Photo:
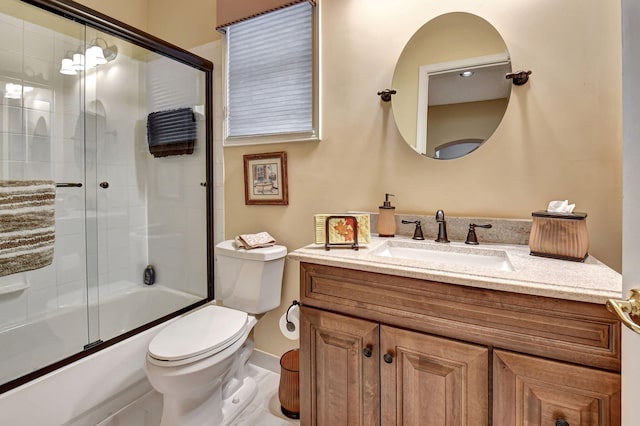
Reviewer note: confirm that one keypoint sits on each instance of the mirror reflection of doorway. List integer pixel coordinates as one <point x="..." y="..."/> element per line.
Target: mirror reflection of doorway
<point x="456" y="149"/>
<point x="461" y="99"/>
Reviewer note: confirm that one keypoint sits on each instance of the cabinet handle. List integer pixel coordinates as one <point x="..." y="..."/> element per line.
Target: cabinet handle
<point x="562" y="422"/>
<point x="388" y="358"/>
<point x="104" y="185"/>
<point x="367" y="352"/>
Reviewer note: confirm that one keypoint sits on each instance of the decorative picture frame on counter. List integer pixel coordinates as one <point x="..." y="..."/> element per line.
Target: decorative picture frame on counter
<point x="265" y="179"/>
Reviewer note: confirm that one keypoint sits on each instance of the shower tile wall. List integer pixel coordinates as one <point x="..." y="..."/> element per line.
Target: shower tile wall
<point x="120" y="152"/>
<point x="42" y="127"/>
<point x="176" y="199"/>
<point x="31" y="147"/>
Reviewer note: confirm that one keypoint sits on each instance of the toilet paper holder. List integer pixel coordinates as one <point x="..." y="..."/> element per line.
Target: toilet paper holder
<point x="291" y="327"/>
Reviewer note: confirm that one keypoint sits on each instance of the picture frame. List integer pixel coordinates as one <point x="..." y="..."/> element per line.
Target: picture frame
<point x="265" y="179"/>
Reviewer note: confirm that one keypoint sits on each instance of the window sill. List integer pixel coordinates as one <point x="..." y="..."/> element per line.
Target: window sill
<point x="269" y="139"/>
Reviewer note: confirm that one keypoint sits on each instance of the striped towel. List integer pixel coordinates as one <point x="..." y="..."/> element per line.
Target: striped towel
<point x="27" y="227"/>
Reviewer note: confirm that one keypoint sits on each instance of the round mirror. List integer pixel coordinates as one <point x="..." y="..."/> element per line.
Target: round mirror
<point x="451" y="87"/>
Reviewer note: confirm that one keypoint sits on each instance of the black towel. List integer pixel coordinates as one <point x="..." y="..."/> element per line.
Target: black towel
<point x="171" y="132"/>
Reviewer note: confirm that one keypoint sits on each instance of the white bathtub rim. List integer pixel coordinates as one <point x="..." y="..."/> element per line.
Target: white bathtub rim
<point x="90" y="389"/>
<point x="62" y="333"/>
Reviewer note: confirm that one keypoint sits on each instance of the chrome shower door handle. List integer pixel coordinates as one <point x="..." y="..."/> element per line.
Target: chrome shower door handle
<point x="631" y="306"/>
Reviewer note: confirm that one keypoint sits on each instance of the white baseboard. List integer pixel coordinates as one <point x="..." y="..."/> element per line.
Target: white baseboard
<point x="265" y="360"/>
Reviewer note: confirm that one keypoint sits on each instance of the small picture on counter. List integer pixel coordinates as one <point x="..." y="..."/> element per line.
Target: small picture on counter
<point x="341" y="228"/>
<point x="265" y="179"/>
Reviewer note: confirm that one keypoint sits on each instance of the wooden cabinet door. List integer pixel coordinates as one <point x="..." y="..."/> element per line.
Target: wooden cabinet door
<point x="339" y="370"/>
<point x="530" y="391"/>
<point x="428" y="380"/>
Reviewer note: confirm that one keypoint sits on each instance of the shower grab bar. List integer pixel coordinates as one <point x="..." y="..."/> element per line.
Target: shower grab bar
<point x="68" y="185"/>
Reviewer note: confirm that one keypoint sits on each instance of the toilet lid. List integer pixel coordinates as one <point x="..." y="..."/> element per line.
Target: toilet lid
<point x="209" y="329"/>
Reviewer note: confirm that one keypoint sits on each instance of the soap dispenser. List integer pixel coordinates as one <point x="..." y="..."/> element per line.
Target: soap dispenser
<point x="387" y="218"/>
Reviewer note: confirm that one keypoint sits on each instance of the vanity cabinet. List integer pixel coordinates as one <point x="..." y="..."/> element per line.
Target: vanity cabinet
<point x="391" y="350"/>
<point x="416" y="379"/>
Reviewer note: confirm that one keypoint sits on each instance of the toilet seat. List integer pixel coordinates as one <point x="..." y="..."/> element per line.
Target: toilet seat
<point x="197" y="335"/>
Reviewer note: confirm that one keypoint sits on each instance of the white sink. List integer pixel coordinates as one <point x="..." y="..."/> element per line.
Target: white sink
<point x="430" y="254"/>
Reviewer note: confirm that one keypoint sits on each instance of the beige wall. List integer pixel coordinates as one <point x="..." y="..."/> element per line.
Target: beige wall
<point x="560" y="137"/>
<point x="132" y="12"/>
<point x="186" y="24"/>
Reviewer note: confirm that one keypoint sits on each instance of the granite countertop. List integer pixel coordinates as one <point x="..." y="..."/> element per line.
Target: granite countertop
<point x="591" y="281"/>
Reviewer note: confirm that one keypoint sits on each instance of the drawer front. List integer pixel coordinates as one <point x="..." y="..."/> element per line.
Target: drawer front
<point x="577" y="332"/>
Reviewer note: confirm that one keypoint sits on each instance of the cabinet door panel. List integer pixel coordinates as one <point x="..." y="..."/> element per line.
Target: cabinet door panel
<point x="431" y="380"/>
<point x="339" y="384"/>
<point x="532" y="391"/>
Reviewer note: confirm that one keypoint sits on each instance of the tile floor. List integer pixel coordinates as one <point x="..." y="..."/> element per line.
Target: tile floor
<point x="264" y="410"/>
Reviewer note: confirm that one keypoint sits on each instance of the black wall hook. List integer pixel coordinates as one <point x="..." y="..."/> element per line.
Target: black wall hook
<point x="385" y="95"/>
<point x="519" y="77"/>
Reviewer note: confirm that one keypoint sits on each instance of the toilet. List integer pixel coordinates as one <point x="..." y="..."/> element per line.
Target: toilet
<point x="199" y="362"/>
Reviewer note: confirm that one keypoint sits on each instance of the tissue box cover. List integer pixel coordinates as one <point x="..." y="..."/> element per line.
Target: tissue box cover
<point x="341" y="230"/>
<point x="559" y="235"/>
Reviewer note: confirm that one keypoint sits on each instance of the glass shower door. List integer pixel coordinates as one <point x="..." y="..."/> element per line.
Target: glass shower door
<point x="93" y="169"/>
<point x="121" y="134"/>
<point x="150" y="202"/>
<point x="42" y="309"/>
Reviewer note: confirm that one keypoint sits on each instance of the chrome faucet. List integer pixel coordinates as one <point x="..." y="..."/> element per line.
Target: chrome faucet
<point x="442" y="228"/>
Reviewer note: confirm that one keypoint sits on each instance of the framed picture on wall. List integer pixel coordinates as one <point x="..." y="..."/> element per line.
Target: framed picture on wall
<point x="265" y="179"/>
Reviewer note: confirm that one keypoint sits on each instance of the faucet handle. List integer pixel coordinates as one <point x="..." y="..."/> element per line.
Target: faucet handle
<point x="417" y="233"/>
<point x="471" y="236"/>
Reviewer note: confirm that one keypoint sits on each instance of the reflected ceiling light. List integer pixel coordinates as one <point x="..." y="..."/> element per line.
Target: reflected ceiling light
<point x="109" y="53"/>
<point x="66" y="67"/>
<point x="466" y="73"/>
<point x="78" y="61"/>
<point x="94" y="56"/>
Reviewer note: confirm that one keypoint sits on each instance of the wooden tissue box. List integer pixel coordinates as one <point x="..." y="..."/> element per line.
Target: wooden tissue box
<point x="559" y="235"/>
<point x="341" y="230"/>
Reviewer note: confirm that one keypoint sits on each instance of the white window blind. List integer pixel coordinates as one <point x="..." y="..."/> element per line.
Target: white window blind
<point x="270" y="74"/>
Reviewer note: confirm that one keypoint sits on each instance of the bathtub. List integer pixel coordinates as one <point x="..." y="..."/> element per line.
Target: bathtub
<point x="139" y="305"/>
<point x="32" y="345"/>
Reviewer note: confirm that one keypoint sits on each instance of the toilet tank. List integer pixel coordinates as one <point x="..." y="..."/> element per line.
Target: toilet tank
<point x="249" y="280"/>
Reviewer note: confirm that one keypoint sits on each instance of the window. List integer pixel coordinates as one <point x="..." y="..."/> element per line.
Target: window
<point x="272" y="78"/>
